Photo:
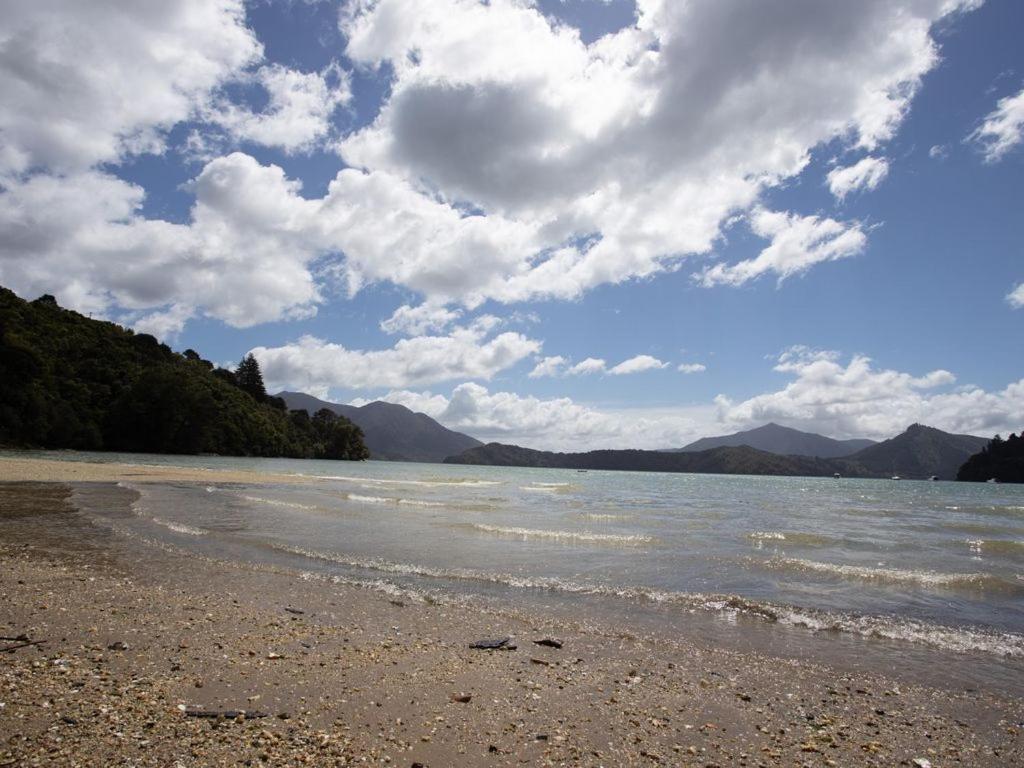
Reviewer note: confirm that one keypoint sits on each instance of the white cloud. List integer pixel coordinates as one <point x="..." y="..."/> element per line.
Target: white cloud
<point x="1016" y="297"/>
<point x="859" y="400"/>
<point x="938" y="152"/>
<point x="548" y="366"/>
<point x="557" y="424"/>
<point x="643" y="142"/>
<point x="582" y="164"/>
<point x="637" y="364"/>
<point x="1002" y="129"/>
<point x="797" y="244"/>
<point x="587" y="366"/>
<point x="560" y="366"/>
<point x="87" y="83"/>
<point x="691" y="368"/>
<point x="416" y="321"/>
<point x="315" y="366"/>
<point x="298" y="114"/>
<point x="865" y="174"/>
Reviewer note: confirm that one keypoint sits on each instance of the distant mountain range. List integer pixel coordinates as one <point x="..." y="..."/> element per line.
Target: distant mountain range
<point x="390" y="431"/>
<point x="919" y="452"/>
<point x="775" y="438"/>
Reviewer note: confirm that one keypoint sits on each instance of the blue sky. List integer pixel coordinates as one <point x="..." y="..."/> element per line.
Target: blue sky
<point x="814" y="208"/>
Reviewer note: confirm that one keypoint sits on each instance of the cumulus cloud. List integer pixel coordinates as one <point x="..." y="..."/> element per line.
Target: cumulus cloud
<point x="486" y="174"/>
<point x="866" y="174"/>
<point x="797" y="244"/>
<point x="691" y="368"/>
<point x="416" y="321"/>
<point x="558" y="424"/>
<point x="316" y="366"/>
<point x="859" y="400"/>
<point x="87" y="83"/>
<point x="560" y="366"/>
<point x="1002" y="129"/>
<point x="298" y="114"/>
<point x="1016" y="297"/>
<point x="637" y="364"/>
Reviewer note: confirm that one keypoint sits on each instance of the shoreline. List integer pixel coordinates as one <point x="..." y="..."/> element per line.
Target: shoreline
<point x="39" y="470"/>
<point x="360" y="674"/>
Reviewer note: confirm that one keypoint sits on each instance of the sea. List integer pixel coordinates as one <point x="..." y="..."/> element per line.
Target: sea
<point x="920" y="579"/>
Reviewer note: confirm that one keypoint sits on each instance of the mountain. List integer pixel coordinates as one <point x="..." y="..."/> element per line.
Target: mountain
<point x="739" y="460"/>
<point x="67" y="381"/>
<point x="920" y="452"/>
<point x="775" y="438"/>
<point x="1002" y="460"/>
<point x="391" y="431"/>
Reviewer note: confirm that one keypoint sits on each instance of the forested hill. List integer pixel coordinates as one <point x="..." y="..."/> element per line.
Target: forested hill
<point x="392" y="432"/>
<point x="67" y="381"/>
<point x="739" y="460"/>
<point x="1001" y="460"/>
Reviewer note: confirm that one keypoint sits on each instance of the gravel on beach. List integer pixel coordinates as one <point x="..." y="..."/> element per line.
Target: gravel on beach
<point x="134" y="647"/>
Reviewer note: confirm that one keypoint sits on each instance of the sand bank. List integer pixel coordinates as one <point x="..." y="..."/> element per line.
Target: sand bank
<point x="14" y="469"/>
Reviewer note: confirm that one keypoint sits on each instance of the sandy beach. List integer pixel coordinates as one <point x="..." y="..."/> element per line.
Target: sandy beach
<point x="129" y="656"/>
<point x="16" y="469"/>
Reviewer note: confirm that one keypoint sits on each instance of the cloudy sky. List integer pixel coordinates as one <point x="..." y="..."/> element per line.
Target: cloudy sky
<point x="564" y="223"/>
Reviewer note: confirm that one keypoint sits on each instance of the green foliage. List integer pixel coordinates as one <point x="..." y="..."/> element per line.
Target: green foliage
<point x="250" y="379"/>
<point x="70" y="382"/>
<point x="1002" y="460"/>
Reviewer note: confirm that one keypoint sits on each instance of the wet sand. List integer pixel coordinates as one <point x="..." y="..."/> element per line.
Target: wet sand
<point x="136" y="641"/>
<point x="52" y="471"/>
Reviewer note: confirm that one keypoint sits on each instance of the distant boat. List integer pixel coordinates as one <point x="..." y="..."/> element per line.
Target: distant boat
<point x="934" y="477"/>
<point x="837" y="476"/>
<point x="992" y="480"/>
<point x="582" y="471"/>
<point x="895" y="477"/>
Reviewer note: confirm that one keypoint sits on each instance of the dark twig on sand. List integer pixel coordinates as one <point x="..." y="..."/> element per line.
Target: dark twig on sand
<point x="11" y="648"/>
<point x="227" y="714"/>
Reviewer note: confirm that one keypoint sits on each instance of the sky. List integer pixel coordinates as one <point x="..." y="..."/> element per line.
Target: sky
<point x="566" y="224"/>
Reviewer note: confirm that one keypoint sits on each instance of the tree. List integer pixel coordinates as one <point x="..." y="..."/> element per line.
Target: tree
<point x="250" y="379"/>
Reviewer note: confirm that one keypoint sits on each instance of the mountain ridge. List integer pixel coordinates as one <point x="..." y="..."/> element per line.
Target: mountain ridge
<point x="919" y="452"/>
<point x="782" y="440"/>
<point x="391" y="431"/>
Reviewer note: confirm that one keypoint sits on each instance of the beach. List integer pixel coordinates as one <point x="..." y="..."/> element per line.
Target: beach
<point x="143" y="656"/>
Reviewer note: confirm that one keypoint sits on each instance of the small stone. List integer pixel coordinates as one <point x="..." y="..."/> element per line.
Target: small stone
<point x="118" y="646"/>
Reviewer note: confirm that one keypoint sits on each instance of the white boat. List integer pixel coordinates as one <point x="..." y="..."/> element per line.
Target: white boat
<point x="895" y="477"/>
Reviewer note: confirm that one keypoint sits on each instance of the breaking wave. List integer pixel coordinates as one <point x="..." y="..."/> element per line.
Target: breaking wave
<point x="980" y="581"/>
<point x="581" y="536"/>
<point x="179" y="527"/>
<point x="955" y="639"/>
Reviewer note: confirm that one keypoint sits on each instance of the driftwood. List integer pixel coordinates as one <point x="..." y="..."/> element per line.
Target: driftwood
<point x="11" y="648"/>
<point x="227" y="714"/>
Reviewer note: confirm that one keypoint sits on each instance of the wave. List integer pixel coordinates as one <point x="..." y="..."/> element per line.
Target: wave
<point x="466" y="483"/>
<point x="957" y="639"/>
<point x="1005" y="547"/>
<point x="896" y="575"/>
<point x="603" y="516"/>
<point x="388" y="500"/>
<point x="797" y="538"/>
<point x="179" y="527"/>
<point x="278" y="502"/>
<point x="583" y="536"/>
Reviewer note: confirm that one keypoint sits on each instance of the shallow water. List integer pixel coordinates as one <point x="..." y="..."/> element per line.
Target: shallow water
<point x="882" y="569"/>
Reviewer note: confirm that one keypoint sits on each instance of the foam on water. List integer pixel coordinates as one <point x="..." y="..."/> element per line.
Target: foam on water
<point x="390" y="500"/>
<point x="957" y="639"/>
<point x="463" y="483"/>
<point x="580" y="536"/>
<point x="277" y="502"/>
<point x="893" y="575"/>
<point x="179" y="527"/>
